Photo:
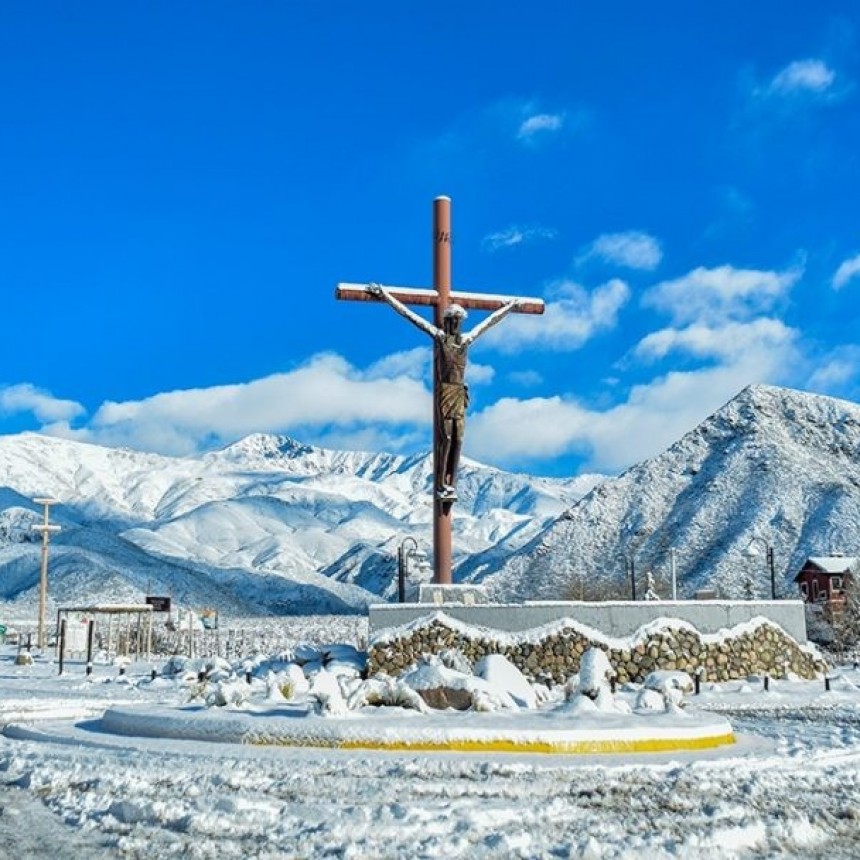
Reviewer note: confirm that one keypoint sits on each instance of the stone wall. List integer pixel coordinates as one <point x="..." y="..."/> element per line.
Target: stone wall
<point x="611" y="618"/>
<point x="552" y="653"/>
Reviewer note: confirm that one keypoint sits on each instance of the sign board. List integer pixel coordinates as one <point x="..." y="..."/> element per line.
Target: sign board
<point x="209" y="619"/>
<point x="158" y="604"/>
<point x="76" y="635"/>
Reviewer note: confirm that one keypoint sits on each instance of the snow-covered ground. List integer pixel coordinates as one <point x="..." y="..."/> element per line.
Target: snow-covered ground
<point x="790" y="787"/>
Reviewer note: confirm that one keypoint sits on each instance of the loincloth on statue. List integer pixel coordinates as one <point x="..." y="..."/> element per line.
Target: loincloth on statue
<point x="453" y="400"/>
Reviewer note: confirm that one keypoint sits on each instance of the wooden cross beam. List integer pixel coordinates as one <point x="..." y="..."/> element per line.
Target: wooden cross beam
<point x="440" y="298"/>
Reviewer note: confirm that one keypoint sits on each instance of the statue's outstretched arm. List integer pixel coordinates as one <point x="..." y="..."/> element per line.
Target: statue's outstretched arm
<point x="416" y="320"/>
<point x="493" y="319"/>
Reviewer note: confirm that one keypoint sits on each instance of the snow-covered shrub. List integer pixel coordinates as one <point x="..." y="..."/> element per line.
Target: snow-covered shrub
<point x="326" y="696"/>
<point x="456" y="660"/>
<point x="595" y="672"/>
<point x="669" y="687"/>
<point x="295" y="677"/>
<point x="544" y="694"/>
<point x="650" y="700"/>
<point x="592" y="686"/>
<point x="491" y="699"/>
<point x="383" y="690"/>
<point x="176" y="665"/>
<point x="217" y="669"/>
<point x="280" y="687"/>
<point x="226" y="693"/>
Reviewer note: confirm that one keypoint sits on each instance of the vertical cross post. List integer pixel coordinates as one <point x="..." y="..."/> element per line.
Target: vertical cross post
<point x="442" y="520"/>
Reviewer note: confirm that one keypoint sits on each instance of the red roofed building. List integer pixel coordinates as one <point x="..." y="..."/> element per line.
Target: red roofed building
<point x="823" y="579"/>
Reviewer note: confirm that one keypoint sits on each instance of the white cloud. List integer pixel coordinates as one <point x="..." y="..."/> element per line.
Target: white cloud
<point x="803" y="76"/>
<point x="838" y="372"/>
<point x="325" y="391"/>
<point x="724" y="342"/>
<point x="720" y="294"/>
<point x="374" y="438"/>
<point x="414" y="363"/>
<point x="633" y="249"/>
<point x="538" y="123"/>
<point x="526" y="378"/>
<point x="573" y="316"/>
<point x="47" y="408"/>
<point x="479" y="374"/>
<point x="512" y="236"/>
<point x="654" y="415"/>
<point x="846" y="272"/>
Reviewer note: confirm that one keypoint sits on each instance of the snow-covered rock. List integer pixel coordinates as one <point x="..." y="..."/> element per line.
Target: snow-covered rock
<point x="442" y="687"/>
<point x="497" y="670"/>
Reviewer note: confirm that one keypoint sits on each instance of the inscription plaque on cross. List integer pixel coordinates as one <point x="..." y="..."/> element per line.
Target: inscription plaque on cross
<point x="450" y="394"/>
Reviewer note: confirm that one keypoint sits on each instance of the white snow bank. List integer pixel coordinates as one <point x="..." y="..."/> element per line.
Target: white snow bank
<point x="497" y="670"/>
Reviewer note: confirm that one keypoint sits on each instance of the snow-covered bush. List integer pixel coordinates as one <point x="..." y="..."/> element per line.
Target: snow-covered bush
<point x="456" y="660"/>
<point x="664" y="691"/>
<point x="591" y="690"/>
<point x="294" y="682"/>
<point x="383" y="690"/>
<point x="650" y="700"/>
<point x="226" y="693"/>
<point x="326" y="696"/>
<point x="595" y="672"/>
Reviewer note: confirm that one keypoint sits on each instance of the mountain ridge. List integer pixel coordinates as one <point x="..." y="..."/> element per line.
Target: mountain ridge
<point x="772" y="464"/>
<point x="309" y="521"/>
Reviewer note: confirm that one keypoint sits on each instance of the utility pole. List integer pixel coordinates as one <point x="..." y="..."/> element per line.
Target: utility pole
<point x="46" y="528"/>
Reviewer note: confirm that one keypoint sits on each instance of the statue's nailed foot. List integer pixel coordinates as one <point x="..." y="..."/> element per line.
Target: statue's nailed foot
<point x="446" y="494"/>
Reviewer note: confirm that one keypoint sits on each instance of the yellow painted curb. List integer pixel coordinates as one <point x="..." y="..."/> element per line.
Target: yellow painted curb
<point x="583" y="747"/>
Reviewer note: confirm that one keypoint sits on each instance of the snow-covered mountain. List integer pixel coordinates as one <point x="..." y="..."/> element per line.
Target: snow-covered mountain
<point x="773" y="466"/>
<point x="266" y="524"/>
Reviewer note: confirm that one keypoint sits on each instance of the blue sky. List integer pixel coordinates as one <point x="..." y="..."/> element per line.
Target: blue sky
<point x="181" y="187"/>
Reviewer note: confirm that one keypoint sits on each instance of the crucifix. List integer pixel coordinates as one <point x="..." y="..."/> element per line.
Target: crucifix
<point x="450" y="394"/>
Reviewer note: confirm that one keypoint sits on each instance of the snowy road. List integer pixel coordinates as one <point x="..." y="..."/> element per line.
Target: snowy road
<point x="791" y="788"/>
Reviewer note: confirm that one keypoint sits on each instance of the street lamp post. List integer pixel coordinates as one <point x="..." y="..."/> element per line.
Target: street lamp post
<point x="674" y="572"/>
<point x="630" y="570"/>
<point x="408" y="552"/>
<point x="46" y="528"/>
<point x="752" y="551"/>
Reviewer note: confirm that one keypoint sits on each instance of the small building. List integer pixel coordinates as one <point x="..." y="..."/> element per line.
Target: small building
<point x="823" y="579"/>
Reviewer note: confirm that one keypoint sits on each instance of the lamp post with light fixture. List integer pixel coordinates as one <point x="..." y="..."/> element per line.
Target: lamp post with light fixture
<point x="408" y="553"/>
<point x="752" y="552"/>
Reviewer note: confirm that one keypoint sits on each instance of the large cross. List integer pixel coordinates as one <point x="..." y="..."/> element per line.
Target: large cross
<point x="440" y="298"/>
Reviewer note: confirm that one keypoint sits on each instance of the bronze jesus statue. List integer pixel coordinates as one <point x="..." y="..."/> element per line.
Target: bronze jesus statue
<point x="451" y="370"/>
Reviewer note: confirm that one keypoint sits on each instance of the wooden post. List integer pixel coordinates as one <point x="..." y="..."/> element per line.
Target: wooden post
<point x="442" y="552"/>
<point x="46" y="528"/>
<point x="90" y="631"/>
<point x="61" y="644"/>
